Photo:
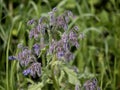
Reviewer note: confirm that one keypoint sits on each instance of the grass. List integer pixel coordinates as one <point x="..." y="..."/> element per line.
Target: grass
<point x="98" y="56"/>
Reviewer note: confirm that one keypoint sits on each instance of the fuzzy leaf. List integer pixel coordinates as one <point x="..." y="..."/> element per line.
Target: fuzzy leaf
<point x="61" y="76"/>
<point x="72" y="76"/>
<point x="36" y="86"/>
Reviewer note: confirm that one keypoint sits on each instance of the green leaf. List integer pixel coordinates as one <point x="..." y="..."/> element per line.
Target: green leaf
<point x="72" y="76"/>
<point x="36" y="86"/>
<point x="62" y="74"/>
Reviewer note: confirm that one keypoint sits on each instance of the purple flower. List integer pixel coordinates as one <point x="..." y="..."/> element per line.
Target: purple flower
<point x="76" y="28"/>
<point x="36" y="48"/>
<point x="91" y="85"/>
<point x="36" y="33"/>
<point x="65" y="38"/>
<point x="73" y="39"/>
<point x="65" y="26"/>
<point x="12" y="58"/>
<point x="66" y="46"/>
<point x="35" y="69"/>
<point x="72" y="36"/>
<point x="70" y="14"/>
<point x="38" y="27"/>
<point x="52" y="47"/>
<point x="60" y="54"/>
<point x="31" y="33"/>
<point x="61" y="22"/>
<point x="60" y="43"/>
<point x="60" y="50"/>
<point x="26" y="57"/>
<point x="64" y="41"/>
<point x="67" y="19"/>
<point x="43" y="27"/>
<point x="26" y="72"/>
<point x="41" y="20"/>
<point x="52" y="18"/>
<point x="30" y="22"/>
<point x="94" y="81"/>
<point x="20" y="46"/>
<point x="76" y="44"/>
<point x="54" y="9"/>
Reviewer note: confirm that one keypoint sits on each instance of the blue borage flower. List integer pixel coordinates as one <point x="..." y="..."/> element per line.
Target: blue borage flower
<point x="34" y="33"/>
<point x="65" y="37"/>
<point x="12" y="58"/>
<point x="61" y="23"/>
<point x="73" y="37"/>
<point x="25" y="57"/>
<point x="70" y="14"/>
<point x="52" y="18"/>
<point x="34" y="70"/>
<point x="30" y="22"/>
<point x="52" y="47"/>
<point x="26" y="72"/>
<point x="36" y="48"/>
<point x="60" y="52"/>
<point x="91" y="85"/>
<point x="76" y="28"/>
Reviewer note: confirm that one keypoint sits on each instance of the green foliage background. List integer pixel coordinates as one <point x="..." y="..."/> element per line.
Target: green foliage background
<point x="99" y="54"/>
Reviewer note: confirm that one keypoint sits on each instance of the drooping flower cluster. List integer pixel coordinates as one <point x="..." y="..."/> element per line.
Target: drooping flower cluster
<point x="62" y="47"/>
<point x="28" y="59"/>
<point x="91" y="85"/>
<point x="51" y="31"/>
<point x="33" y="70"/>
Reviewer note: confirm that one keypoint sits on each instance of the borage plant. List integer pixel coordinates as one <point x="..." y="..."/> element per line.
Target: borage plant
<point x="50" y="58"/>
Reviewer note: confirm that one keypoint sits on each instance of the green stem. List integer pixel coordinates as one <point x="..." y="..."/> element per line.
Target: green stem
<point x="79" y="8"/>
<point x="43" y="61"/>
<point x="7" y="67"/>
<point x="102" y="74"/>
<point x="55" y="82"/>
<point x="7" y="51"/>
<point x="12" y="75"/>
<point x="93" y="66"/>
<point x="92" y="7"/>
<point x="114" y="84"/>
<point x="50" y="37"/>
